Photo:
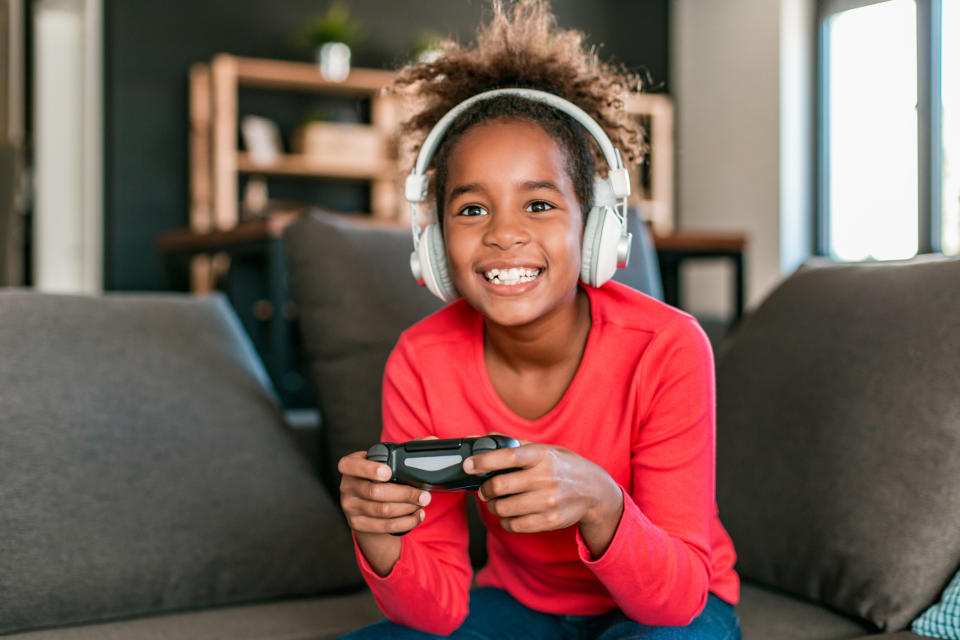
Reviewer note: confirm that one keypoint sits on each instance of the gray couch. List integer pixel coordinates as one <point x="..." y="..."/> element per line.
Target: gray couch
<point x="152" y="489"/>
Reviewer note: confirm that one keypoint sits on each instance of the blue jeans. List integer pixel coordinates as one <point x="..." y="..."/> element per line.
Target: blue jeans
<point x="495" y="615"/>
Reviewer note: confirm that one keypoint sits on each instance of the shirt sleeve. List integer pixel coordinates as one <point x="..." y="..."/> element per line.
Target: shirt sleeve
<point x="434" y="565"/>
<point x="657" y="567"/>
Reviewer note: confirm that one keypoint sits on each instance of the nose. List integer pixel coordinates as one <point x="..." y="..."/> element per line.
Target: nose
<point x="506" y="230"/>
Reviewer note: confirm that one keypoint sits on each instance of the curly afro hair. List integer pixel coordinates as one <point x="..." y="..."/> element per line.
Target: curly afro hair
<point x="521" y="46"/>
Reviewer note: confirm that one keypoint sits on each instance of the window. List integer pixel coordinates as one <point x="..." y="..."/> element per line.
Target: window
<point x="889" y="128"/>
<point x="950" y="93"/>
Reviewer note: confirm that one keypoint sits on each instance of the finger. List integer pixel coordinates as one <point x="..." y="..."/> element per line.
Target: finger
<point x="534" y="523"/>
<point x="357" y="465"/>
<point x="383" y="510"/>
<point x="366" y="524"/>
<point x="523" y="504"/>
<point x="509" y="484"/>
<point x="427" y="438"/>
<point x="389" y="492"/>
<point x="510" y="458"/>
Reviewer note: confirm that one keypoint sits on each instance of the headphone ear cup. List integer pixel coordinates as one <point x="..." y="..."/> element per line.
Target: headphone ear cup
<point x="433" y="264"/>
<point x="601" y="237"/>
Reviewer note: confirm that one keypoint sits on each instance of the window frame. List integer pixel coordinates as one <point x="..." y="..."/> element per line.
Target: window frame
<point x="929" y="122"/>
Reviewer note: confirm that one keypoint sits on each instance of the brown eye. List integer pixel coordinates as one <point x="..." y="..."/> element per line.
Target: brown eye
<point x="472" y="210"/>
<point x="539" y="206"/>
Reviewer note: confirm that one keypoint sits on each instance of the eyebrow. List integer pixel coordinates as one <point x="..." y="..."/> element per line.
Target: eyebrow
<point x="529" y="185"/>
<point x="533" y="185"/>
<point x="464" y="188"/>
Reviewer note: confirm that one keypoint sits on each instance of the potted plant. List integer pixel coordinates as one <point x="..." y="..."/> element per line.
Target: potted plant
<point x="427" y="46"/>
<point x="332" y="35"/>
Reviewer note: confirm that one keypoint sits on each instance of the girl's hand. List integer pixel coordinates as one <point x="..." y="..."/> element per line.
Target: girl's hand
<point x="371" y="504"/>
<point x="554" y="488"/>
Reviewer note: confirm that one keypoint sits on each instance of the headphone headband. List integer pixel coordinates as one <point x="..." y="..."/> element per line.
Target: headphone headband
<point x="416" y="185"/>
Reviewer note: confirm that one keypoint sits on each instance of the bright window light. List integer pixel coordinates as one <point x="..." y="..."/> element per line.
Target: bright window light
<point x="872" y="146"/>
<point x="950" y="90"/>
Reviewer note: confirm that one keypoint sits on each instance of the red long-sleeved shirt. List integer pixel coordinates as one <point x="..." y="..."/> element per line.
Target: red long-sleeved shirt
<point x="641" y="405"/>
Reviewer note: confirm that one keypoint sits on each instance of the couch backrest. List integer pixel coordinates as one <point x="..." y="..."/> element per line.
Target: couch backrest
<point x="838" y="450"/>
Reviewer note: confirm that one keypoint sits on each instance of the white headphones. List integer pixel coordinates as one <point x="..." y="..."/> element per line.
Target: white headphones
<point x="606" y="242"/>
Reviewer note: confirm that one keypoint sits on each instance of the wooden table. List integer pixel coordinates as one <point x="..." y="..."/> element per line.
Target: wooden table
<point x="680" y="246"/>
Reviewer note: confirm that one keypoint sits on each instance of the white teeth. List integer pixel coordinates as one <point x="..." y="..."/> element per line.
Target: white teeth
<point x="512" y="276"/>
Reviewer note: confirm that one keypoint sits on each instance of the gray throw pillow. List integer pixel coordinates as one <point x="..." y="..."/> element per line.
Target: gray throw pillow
<point x="145" y="466"/>
<point x="351" y="280"/>
<point x="352" y="283"/>
<point x="838" y="426"/>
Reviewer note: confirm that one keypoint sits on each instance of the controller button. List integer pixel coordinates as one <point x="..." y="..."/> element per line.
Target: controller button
<point x="433" y="463"/>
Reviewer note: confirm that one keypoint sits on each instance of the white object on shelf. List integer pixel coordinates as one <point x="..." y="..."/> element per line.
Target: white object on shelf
<point x="261" y="137"/>
<point x="334" y="61"/>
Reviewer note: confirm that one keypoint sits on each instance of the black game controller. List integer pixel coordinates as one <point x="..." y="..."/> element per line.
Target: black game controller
<point x="437" y="465"/>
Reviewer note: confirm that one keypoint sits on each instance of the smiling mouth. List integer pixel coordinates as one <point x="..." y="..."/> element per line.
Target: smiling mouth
<point x="513" y="276"/>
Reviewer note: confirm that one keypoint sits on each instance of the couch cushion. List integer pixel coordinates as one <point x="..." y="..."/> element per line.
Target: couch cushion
<point x="771" y="615"/>
<point x="351" y="280"/>
<point x="322" y="618"/>
<point x="838" y="429"/>
<point x="145" y="465"/>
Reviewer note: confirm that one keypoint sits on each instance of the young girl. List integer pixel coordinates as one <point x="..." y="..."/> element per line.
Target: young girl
<point x="608" y="527"/>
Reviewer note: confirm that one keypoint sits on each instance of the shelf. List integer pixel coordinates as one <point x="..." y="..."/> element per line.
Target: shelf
<point x="283" y="74"/>
<point x="309" y="166"/>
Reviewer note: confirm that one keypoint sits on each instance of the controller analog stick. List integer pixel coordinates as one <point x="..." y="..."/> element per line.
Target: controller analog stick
<point x="378" y="453"/>
<point x="483" y="445"/>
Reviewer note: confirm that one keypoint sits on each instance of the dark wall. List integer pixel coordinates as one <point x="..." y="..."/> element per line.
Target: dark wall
<point x="150" y="45"/>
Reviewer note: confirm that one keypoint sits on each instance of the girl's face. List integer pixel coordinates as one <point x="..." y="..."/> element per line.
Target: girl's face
<point x="512" y="223"/>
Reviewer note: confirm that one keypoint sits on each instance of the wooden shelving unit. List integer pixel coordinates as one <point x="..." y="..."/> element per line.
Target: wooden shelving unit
<point x="216" y="163"/>
<point x="655" y="200"/>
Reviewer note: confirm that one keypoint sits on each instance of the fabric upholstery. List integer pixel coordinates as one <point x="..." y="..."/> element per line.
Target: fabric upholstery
<point x="768" y="614"/>
<point x="356" y="296"/>
<point x="353" y="287"/>
<point x="838" y="427"/>
<point x="145" y="465"/>
<point x="323" y="618"/>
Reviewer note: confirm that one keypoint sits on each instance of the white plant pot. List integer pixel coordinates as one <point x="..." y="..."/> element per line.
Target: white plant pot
<point x="334" y="61"/>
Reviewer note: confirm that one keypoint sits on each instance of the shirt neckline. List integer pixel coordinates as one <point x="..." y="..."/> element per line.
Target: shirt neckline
<point x="572" y="388"/>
